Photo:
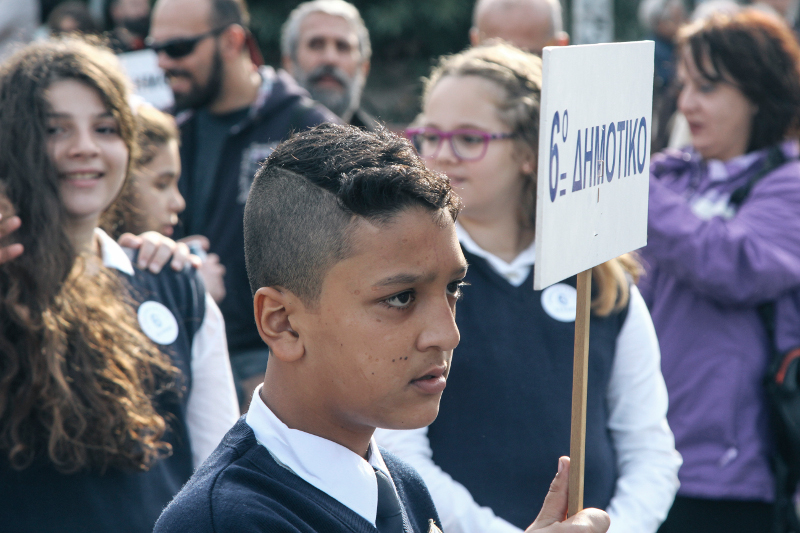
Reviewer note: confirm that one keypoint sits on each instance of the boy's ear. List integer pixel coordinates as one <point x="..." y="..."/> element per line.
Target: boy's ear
<point x="272" y="309"/>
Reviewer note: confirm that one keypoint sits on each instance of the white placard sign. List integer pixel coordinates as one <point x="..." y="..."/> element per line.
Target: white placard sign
<point x="147" y="77"/>
<point x="594" y="156"/>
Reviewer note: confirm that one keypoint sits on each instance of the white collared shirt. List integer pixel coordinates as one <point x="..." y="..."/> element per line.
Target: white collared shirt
<point x="212" y="407"/>
<point x="515" y="272"/>
<point x="330" y="467"/>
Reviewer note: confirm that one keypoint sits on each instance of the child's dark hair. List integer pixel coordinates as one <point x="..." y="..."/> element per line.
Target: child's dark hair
<point x="307" y="195"/>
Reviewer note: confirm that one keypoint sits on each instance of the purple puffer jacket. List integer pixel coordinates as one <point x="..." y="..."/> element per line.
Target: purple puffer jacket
<point x="708" y="268"/>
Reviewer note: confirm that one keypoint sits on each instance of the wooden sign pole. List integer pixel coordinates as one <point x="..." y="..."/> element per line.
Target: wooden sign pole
<point x="580" y="378"/>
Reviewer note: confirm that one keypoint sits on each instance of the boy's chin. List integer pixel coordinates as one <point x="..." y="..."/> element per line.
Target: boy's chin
<point x="419" y="419"/>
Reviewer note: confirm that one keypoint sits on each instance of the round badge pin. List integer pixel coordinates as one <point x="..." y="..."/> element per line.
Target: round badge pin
<point x="560" y="302"/>
<point x="158" y="322"/>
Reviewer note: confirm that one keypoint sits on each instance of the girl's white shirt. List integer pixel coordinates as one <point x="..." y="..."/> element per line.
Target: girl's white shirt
<point x="212" y="407"/>
<point x="647" y="462"/>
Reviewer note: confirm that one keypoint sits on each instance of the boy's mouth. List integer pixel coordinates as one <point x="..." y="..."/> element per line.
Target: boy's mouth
<point x="432" y="382"/>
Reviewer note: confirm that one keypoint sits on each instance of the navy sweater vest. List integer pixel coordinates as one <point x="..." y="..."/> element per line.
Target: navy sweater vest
<point x="41" y="499"/>
<point x="241" y="488"/>
<point x="505" y="416"/>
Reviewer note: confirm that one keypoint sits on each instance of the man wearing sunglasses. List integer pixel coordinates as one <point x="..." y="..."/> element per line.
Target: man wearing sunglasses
<point x="325" y="46"/>
<point x="231" y="114"/>
<point x="527" y="24"/>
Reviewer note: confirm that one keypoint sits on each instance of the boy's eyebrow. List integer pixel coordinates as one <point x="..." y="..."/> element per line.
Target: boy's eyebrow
<point x="410" y="279"/>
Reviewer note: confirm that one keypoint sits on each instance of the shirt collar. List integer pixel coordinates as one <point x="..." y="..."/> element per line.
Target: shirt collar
<point x="114" y="256"/>
<point x="328" y="466"/>
<point x="515" y="272"/>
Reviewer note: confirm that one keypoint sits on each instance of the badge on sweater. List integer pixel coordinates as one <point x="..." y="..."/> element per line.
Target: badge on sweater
<point x="560" y="301"/>
<point x="432" y="527"/>
<point x="158" y="322"/>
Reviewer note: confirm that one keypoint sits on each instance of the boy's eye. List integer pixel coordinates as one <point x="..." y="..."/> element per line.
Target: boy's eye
<point x="400" y="301"/>
<point x="454" y="288"/>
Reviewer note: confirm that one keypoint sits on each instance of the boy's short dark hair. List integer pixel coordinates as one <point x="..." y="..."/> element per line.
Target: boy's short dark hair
<point x="309" y="192"/>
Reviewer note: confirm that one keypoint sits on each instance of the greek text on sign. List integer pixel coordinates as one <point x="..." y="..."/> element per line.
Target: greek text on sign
<point x="594" y="156"/>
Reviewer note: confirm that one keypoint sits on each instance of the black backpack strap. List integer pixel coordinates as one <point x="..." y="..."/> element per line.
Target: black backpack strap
<point x="775" y="158"/>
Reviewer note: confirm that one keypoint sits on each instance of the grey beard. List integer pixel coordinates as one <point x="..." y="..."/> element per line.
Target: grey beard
<point x="342" y="103"/>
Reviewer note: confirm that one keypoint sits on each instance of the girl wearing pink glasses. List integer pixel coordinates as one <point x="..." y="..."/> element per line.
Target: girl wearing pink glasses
<point x="506" y="414"/>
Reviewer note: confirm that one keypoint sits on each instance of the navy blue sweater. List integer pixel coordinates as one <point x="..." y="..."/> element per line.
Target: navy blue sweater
<point x="505" y="417"/>
<point x="40" y="499"/>
<point x="241" y="488"/>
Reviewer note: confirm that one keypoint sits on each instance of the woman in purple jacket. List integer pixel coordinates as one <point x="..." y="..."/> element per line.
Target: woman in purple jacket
<point x="713" y="258"/>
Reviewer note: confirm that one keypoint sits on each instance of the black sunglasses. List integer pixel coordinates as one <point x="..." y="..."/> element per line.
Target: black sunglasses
<point x="183" y="46"/>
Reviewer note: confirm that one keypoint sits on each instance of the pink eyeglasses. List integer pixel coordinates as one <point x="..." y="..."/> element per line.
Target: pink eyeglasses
<point x="467" y="145"/>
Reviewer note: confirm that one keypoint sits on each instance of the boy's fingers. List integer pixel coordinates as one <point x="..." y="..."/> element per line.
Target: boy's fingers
<point x="554" y="508"/>
<point x="589" y="521"/>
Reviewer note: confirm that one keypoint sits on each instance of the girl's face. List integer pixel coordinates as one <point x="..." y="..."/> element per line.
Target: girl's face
<point x="720" y="116"/>
<point x="158" y="198"/>
<point x="85" y="145"/>
<point x="490" y="185"/>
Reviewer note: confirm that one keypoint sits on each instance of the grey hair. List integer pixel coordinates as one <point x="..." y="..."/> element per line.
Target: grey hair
<point x="651" y="12"/>
<point x="290" y="33"/>
<point x="554" y="8"/>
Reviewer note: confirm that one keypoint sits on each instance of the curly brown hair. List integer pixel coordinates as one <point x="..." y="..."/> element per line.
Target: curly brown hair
<point x="518" y="75"/>
<point x="78" y="378"/>
<point x="759" y="54"/>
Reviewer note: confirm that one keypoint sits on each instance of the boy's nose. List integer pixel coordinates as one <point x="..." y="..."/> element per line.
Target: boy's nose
<point x="441" y="332"/>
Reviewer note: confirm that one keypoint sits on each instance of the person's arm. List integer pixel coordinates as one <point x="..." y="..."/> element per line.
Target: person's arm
<point x="457" y="510"/>
<point x="647" y="461"/>
<point x="748" y="259"/>
<point x="212" y="408"/>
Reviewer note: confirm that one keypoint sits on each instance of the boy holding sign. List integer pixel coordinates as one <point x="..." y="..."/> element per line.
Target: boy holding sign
<point x="355" y="266"/>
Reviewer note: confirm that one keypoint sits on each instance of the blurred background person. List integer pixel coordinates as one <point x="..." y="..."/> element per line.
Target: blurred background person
<point x="232" y="115"/>
<point x="723" y="239"/>
<point x="662" y="18"/>
<point x="71" y="17"/>
<point x="325" y="46"/>
<point x="151" y="199"/>
<point x="130" y="24"/>
<point x="527" y="24"/>
<point x="115" y="383"/>
<point x="506" y="412"/>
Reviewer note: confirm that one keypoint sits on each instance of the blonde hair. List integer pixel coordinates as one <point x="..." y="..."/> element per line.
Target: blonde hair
<point x="519" y="75"/>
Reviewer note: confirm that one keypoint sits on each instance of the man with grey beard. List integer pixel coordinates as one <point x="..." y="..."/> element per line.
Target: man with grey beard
<point x="326" y="47"/>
